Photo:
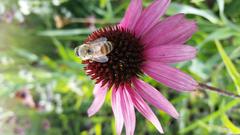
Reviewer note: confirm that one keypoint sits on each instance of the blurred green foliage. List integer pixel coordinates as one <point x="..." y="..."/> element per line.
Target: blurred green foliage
<point x="36" y="54"/>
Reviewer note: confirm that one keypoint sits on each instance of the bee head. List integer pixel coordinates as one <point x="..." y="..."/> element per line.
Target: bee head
<point x="84" y="51"/>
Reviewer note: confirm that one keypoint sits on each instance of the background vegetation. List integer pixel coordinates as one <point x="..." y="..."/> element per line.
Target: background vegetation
<point x="37" y="38"/>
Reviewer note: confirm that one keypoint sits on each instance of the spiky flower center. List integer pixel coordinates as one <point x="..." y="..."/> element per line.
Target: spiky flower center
<point x="124" y="61"/>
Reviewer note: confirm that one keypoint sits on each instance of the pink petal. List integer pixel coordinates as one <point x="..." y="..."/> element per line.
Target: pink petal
<point x="170" y="53"/>
<point x="100" y="94"/>
<point x="184" y="33"/>
<point x="170" y="76"/>
<point x="144" y="109"/>
<point x="116" y="107"/>
<point x="173" y="30"/>
<point x="162" y="27"/>
<point x="150" y="16"/>
<point x="154" y="97"/>
<point x="132" y="14"/>
<point x="128" y="112"/>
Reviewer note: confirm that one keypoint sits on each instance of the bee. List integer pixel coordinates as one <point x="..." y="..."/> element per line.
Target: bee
<point x="96" y="50"/>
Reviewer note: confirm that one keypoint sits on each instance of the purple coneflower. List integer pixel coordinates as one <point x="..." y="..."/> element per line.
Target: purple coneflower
<point x="142" y="45"/>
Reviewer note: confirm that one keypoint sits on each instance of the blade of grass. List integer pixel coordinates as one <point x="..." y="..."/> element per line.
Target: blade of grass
<point x="214" y="115"/>
<point x="234" y="129"/>
<point x="113" y="127"/>
<point x="61" y="50"/>
<point x="180" y="8"/>
<point x="219" y="34"/>
<point x="224" y="18"/>
<point x="98" y="129"/>
<point x="211" y="128"/>
<point x="109" y="14"/>
<point x="229" y="65"/>
<point x="69" y="32"/>
<point x="103" y="3"/>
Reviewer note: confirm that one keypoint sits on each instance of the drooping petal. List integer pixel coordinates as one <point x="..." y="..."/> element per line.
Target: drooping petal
<point x="154" y="97"/>
<point x="170" y="53"/>
<point x="170" y="76"/>
<point x="170" y="32"/>
<point x="99" y="98"/>
<point x="117" y="111"/>
<point x="127" y="111"/>
<point x="150" y="16"/>
<point x="132" y="14"/>
<point x="144" y="109"/>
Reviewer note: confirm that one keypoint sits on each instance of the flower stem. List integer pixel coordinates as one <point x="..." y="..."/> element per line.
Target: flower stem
<point x="217" y="90"/>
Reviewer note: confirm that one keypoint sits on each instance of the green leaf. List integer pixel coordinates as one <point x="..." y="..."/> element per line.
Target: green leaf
<point x="180" y="8"/>
<point x="234" y="129"/>
<point x="68" y="32"/>
<point x="229" y="65"/>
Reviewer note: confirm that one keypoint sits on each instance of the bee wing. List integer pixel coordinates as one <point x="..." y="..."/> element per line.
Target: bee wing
<point x="101" y="59"/>
<point x="102" y="39"/>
